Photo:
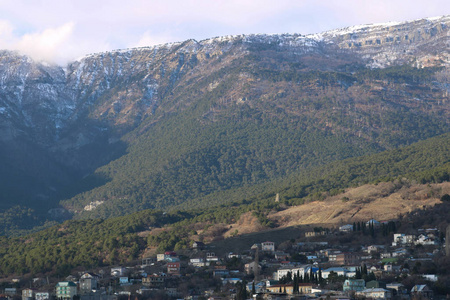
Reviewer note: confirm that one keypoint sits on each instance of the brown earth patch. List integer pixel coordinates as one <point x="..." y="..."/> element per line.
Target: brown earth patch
<point x="384" y="201"/>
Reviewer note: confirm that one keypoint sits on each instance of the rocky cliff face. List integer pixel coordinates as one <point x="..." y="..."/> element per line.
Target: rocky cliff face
<point x="423" y="42"/>
<point x="69" y="120"/>
<point x="124" y="86"/>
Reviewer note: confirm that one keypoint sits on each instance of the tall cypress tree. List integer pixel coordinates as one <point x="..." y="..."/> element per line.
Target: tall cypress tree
<point x="364" y="271"/>
<point x="295" y="284"/>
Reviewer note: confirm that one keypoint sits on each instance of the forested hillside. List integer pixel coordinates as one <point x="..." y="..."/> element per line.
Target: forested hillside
<point x="93" y="243"/>
<point x="297" y="119"/>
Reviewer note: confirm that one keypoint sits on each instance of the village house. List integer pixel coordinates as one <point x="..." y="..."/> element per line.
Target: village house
<point x="171" y="292"/>
<point x="251" y="267"/>
<point x="148" y="261"/>
<point x="400" y="252"/>
<point x="398" y="289"/>
<point x="346" y="258"/>
<point x="375" y="284"/>
<point x="66" y="290"/>
<point x="124" y="281"/>
<point x="88" y="282"/>
<point x="375" y="248"/>
<point x="198" y="245"/>
<point x="328" y="252"/>
<point x="303" y="288"/>
<point x="10" y="291"/>
<point x="312" y="257"/>
<point x="211" y="257"/>
<point x="42" y="295"/>
<point x="336" y="270"/>
<point x="315" y="233"/>
<point x="198" y="262"/>
<point x="421" y="291"/>
<point x="346" y="228"/>
<point x="221" y="273"/>
<point x="356" y="285"/>
<point x="153" y="280"/>
<point x="375" y="293"/>
<point x="233" y="255"/>
<point x="391" y="268"/>
<point x="174" y="268"/>
<point x="281" y="289"/>
<point x="374" y="223"/>
<point x="401" y="239"/>
<point x="268" y="246"/>
<point x="167" y="256"/>
<point x="255" y="247"/>
<point x="281" y="255"/>
<point x="28" y="294"/>
<point x="118" y="271"/>
<point x="144" y="291"/>
<point x="431" y="277"/>
<point x="426" y="239"/>
<point x="293" y="270"/>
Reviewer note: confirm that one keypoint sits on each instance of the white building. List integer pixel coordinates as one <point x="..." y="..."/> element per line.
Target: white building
<point x="293" y="270"/>
<point x="42" y="296"/>
<point x="338" y="271"/>
<point x="268" y="246"/>
<point x="118" y="271"/>
<point x="375" y="293"/>
<point x="425" y="239"/>
<point x="198" y="262"/>
<point x="403" y="239"/>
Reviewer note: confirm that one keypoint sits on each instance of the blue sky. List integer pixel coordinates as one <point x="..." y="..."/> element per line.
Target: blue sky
<point x="63" y="30"/>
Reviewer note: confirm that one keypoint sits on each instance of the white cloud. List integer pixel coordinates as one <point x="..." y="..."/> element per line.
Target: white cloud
<point x="48" y="45"/>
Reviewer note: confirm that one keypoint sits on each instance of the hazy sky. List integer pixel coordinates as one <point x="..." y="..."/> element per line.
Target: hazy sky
<point x="62" y="30"/>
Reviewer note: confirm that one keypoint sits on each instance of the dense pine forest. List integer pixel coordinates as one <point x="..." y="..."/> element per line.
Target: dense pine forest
<point x="214" y="146"/>
<point x="100" y="242"/>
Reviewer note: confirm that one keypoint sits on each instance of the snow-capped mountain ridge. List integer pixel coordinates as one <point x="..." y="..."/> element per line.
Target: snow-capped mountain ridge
<point x="74" y="88"/>
<point x="367" y="27"/>
<point x="346" y="37"/>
